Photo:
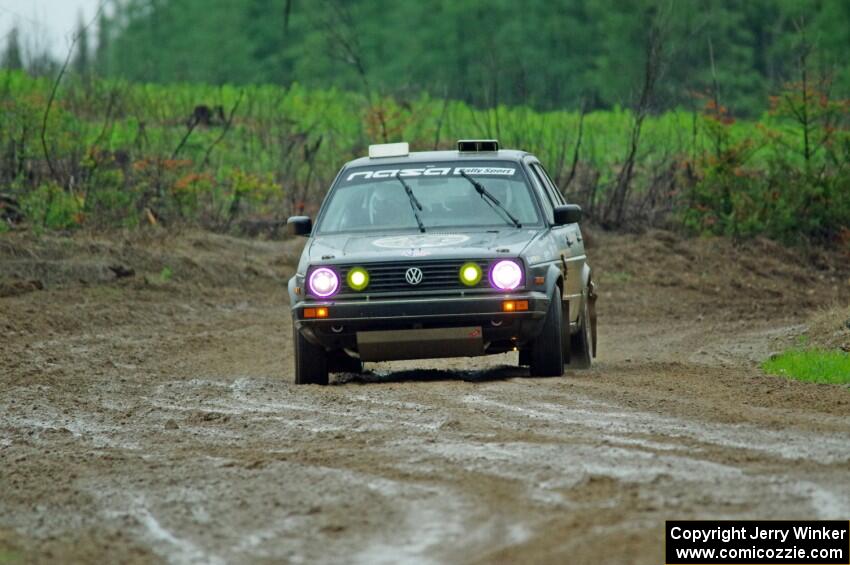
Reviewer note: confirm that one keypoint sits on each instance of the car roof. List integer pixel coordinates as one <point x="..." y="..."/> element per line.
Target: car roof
<point x="429" y="156"/>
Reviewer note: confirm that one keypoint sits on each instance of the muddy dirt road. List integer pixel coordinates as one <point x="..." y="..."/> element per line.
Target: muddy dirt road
<point x="151" y="418"/>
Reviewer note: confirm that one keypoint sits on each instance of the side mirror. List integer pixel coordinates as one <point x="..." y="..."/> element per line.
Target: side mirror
<point x="568" y="214"/>
<point x="299" y="225"/>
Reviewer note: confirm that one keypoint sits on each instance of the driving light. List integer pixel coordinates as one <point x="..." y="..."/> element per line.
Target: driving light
<point x="506" y="275"/>
<point x="470" y="274"/>
<point x="323" y="282"/>
<point x="358" y="278"/>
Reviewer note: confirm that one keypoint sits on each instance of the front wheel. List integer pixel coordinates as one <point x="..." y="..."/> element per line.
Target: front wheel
<point x="582" y="342"/>
<point x="311" y="361"/>
<point x="547" y="351"/>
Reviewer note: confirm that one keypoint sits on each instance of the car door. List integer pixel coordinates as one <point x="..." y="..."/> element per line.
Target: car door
<point x="569" y="241"/>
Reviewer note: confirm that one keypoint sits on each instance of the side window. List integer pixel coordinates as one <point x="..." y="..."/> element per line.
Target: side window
<point x="555" y="188"/>
<point x="546" y="200"/>
<point x="554" y="193"/>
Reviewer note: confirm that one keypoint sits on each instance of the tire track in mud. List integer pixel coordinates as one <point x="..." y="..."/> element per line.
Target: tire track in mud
<point x="436" y="465"/>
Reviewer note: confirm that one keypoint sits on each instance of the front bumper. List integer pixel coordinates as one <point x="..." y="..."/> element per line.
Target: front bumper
<point x="501" y="331"/>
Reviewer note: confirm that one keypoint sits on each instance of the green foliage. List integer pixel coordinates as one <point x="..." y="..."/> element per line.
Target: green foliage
<point x="8" y="557"/>
<point x="166" y="274"/>
<point x="51" y="207"/>
<point x="124" y="154"/>
<point x="813" y="365"/>
<point x="547" y="54"/>
<point x="786" y="178"/>
<point x="779" y="201"/>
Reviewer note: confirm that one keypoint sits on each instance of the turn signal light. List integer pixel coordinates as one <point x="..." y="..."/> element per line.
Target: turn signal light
<point x="514" y="305"/>
<point x="320" y="312"/>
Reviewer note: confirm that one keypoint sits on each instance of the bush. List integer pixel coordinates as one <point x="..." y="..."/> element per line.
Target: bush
<point x="779" y="201"/>
<point x="51" y="207"/>
<point x="788" y="178"/>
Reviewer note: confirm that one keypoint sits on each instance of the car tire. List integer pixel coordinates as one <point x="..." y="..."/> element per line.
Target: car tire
<point x="341" y="362"/>
<point x="311" y="361"/>
<point x="581" y="343"/>
<point x="547" y="352"/>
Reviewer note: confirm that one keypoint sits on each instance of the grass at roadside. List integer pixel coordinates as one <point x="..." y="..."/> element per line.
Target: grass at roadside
<point x="813" y="365"/>
<point x="10" y="557"/>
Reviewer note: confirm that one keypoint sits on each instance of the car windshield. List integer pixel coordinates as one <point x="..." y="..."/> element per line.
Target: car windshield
<point x="374" y="199"/>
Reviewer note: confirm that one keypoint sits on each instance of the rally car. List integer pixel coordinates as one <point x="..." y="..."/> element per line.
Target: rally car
<point x="442" y="254"/>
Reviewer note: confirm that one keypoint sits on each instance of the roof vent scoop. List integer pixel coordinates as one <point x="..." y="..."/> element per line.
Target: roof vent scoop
<point x="389" y="150"/>
<point x="477" y="145"/>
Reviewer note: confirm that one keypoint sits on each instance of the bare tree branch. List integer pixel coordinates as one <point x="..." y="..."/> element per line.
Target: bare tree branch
<point x="614" y="213"/>
<point x="577" y="146"/>
<point x="341" y="33"/>
<point x="55" y="89"/>
<point x="224" y="131"/>
<point x="192" y="125"/>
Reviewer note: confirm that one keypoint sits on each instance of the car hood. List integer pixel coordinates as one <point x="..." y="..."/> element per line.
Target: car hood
<point x="347" y="248"/>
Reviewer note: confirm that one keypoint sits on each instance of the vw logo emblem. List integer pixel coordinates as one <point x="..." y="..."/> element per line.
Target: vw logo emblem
<point x="413" y="276"/>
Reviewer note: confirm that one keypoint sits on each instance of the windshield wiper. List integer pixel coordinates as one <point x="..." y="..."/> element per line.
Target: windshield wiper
<point x="489" y="198"/>
<point x="414" y="202"/>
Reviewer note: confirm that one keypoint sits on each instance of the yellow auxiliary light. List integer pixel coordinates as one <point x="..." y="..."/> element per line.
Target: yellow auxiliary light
<point x="358" y="278"/>
<point x="470" y="274"/>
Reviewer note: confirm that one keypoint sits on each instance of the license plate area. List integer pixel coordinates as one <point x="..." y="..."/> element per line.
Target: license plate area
<point x="427" y="343"/>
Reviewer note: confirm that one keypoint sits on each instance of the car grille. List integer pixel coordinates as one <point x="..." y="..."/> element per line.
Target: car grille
<point x="389" y="277"/>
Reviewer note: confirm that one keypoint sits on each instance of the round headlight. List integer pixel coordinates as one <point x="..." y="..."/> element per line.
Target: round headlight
<point x="470" y="274"/>
<point x="358" y="278"/>
<point x="506" y="275"/>
<point x="323" y="282"/>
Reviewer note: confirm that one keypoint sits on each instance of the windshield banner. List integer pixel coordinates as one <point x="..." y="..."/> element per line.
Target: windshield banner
<point x="359" y="176"/>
